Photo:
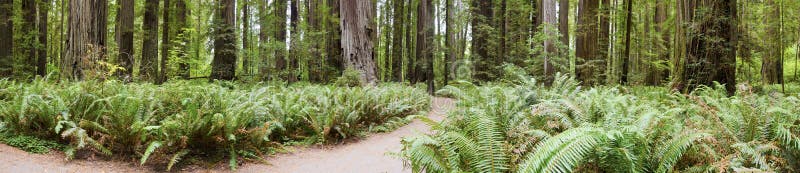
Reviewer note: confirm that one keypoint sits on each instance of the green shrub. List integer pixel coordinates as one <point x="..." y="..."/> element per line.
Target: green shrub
<point x="183" y="118"/>
<point x="530" y="128"/>
<point x="31" y="144"/>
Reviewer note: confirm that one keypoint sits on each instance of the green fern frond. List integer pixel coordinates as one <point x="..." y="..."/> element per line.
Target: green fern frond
<point x="176" y="158"/>
<point x="674" y="149"/>
<point x="150" y="149"/>
<point x="563" y="152"/>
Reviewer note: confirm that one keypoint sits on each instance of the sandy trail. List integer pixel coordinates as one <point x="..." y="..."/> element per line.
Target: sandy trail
<point x="367" y="155"/>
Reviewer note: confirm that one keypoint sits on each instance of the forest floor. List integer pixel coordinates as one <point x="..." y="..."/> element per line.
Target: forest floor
<point x="366" y="155"/>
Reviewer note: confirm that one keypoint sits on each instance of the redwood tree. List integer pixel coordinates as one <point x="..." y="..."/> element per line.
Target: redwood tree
<point x="148" y="69"/>
<point x="358" y="33"/>
<point x="125" y="38"/>
<point x="7" y="35"/>
<point x="223" y="66"/>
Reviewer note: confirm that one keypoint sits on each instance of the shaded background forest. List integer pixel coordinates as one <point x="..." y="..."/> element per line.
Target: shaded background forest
<point x="682" y="43"/>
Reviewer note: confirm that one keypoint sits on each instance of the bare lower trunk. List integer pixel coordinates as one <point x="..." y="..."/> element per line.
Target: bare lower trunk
<point x="148" y="69"/>
<point x="358" y="33"/>
<point x="41" y="67"/>
<point x="223" y="66"/>
<point x="7" y="35"/>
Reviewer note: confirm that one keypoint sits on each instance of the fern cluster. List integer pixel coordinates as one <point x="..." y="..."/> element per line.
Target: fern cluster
<point x="524" y="127"/>
<point x="180" y="118"/>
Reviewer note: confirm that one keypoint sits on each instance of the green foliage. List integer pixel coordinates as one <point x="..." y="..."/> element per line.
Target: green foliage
<point x="31" y="144"/>
<point x="350" y="78"/>
<point x="525" y="127"/>
<point x="190" y="118"/>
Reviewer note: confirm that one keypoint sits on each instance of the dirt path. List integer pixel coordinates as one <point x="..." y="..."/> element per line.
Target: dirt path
<point x="367" y="155"/>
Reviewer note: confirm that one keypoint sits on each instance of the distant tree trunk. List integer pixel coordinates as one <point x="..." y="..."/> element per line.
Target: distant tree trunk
<point x="604" y="42"/>
<point x="44" y="9"/>
<point x="425" y="43"/>
<point x="181" y="13"/>
<point x="125" y="32"/>
<point x="358" y="33"/>
<point x="334" y="36"/>
<point x="85" y="40"/>
<point x="166" y="41"/>
<point x="280" y="36"/>
<point x="7" y="35"/>
<point x="148" y="69"/>
<point x="662" y="43"/>
<point x="397" y="42"/>
<point x="223" y="67"/>
<point x="772" y="66"/>
<point x="263" y="38"/>
<point x="590" y="63"/>
<point x="315" y="22"/>
<point x="246" y="48"/>
<point x="482" y="16"/>
<point x="503" y="23"/>
<point x="709" y="52"/>
<point x="449" y="41"/>
<point x="628" y="27"/>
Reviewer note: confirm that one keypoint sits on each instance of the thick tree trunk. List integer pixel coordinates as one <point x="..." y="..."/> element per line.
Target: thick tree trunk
<point x="397" y="42"/>
<point x="280" y="36"/>
<point x="7" y="35"/>
<point x="410" y="40"/>
<point x="125" y="32"/>
<point x="84" y="46"/>
<point x="425" y="43"/>
<point x="710" y="51"/>
<point x="591" y="65"/>
<point x="148" y="69"/>
<point x="223" y="67"/>
<point x="604" y="40"/>
<point x="41" y="65"/>
<point x="98" y="31"/>
<point x="628" y="27"/>
<point x="358" y="33"/>
<point x="481" y="22"/>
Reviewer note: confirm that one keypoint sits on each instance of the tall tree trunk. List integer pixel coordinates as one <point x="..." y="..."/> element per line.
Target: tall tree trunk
<point x="246" y="48"/>
<point x="148" y="69"/>
<point x="7" y="35"/>
<point x="591" y="64"/>
<point x="503" y="23"/>
<point x="482" y="16"/>
<point x="397" y="42"/>
<point x="548" y="13"/>
<point x="710" y="52"/>
<point x="563" y="23"/>
<point x="334" y="47"/>
<point x="410" y="40"/>
<point x="358" y="33"/>
<point x="263" y="38"/>
<point x="180" y="20"/>
<point x="44" y="9"/>
<point x="85" y="40"/>
<point x="425" y="43"/>
<point x="98" y="31"/>
<point x="280" y="36"/>
<point x="29" y="31"/>
<point x="125" y="32"/>
<point x="166" y="41"/>
<point x="656" y="76"/>
<point x="604" y="40"/>
<point x="628" y="27"/>
<point x="449" y="42"/>
<point x="771" y="67"/>
<point x="223" y="67"/>
<point x="294" y="40"/>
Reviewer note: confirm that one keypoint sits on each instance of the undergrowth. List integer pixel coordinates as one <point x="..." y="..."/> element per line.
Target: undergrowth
<point x="165" y="123"/>
<point x="524" y="127"/>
